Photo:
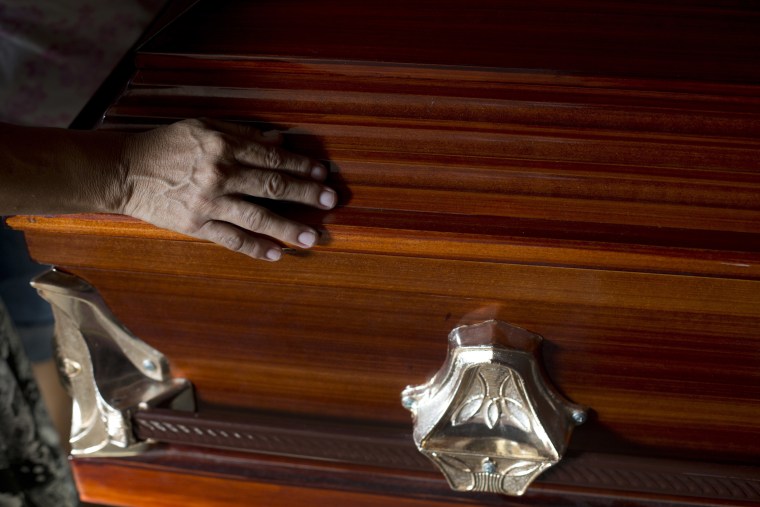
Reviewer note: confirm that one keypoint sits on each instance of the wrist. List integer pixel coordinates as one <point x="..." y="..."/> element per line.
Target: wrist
<point x="107" y="169"/>
<point x="121" y="178"/>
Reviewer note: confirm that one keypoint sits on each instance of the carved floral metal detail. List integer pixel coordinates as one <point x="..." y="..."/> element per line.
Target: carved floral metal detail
<point x="489" y="419"/>
<point x="507" y="402"/>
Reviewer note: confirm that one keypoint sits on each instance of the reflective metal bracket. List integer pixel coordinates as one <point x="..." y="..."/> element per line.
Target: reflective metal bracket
<point x="111" y="372"/>
<point x="489" y="419"/>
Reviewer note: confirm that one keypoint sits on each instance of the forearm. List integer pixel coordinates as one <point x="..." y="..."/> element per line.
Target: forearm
<point x="57" y="171"/>
<point x="193" y="177"/>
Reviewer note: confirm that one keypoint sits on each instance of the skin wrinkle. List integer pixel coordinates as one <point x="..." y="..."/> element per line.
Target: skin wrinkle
<point x="274" y="186"/>
<point x="204" y="183"/>
<point x="191" y="177"/>
<point x="125" y="188"/>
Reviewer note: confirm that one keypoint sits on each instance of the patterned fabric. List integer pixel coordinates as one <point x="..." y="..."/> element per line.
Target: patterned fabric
<point x="31" y="315"/>
<point x="33" y="471"/>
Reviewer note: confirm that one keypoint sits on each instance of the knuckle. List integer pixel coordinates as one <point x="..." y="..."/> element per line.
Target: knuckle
<point x="190" y="224"/>
<point x="190" y="129"/>
<point x="256" y="219"/>
<point x="273" y="157"/>
<point x="304" y="165"/>
<point x="193" y="123"/>
<point x="198" y="204"/>
<point x="187" y="125"/>
<point x="187" y="226"/>
<point x="259" y="250"/>
<point x="234" y="242"/>
<point x="215" y="144"/>
<point x="275" y="186"/>
<point x="211" y="177"/>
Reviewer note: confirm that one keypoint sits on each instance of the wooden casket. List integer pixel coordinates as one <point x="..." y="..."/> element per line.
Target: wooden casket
<point x="584" y="171"/>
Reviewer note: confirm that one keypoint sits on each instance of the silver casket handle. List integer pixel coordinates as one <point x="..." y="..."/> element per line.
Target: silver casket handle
<point x="489" y="419"/>
<point x="110" y="372"/>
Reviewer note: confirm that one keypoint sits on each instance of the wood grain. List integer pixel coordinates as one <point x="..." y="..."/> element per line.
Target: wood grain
<point x="170" y="488"/>
<point x="678" y="356"/>
<point x="180" y="475"/>
<point x="588" y="171"/>
<point x="516" y="242"/>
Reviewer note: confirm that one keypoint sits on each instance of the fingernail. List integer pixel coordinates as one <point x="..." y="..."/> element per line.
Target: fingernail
<point x="328" y="198"/>
<point x="318" y="173"/>
<point x="307" y="239"/>
<point x="274" y="254"/>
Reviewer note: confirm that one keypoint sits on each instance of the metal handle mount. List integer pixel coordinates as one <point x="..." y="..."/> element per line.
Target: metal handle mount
<point x="489" y="418"/>
<point x="111" y="373"/>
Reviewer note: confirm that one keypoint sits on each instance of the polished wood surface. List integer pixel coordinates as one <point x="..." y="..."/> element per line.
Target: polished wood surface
<point x="341" y="335"/>
<point x="220" y="478"/>
<point x="588" y="171"/>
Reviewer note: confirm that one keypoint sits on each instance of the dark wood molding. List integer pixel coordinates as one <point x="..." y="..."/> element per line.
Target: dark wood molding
<point x="392" y="452"/>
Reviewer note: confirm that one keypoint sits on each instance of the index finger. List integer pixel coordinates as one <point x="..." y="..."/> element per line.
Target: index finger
<point x="273" y="157"/>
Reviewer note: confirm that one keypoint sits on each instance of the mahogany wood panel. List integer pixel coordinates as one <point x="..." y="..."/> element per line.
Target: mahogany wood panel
<point x="183" y="476"/>
<point x="511" y="241"/>
<point x="663" y="360"/>
<point x="587" y="170"/>
<point x="491" y="149"/>
<point x="667" y="178"/>
<point x="104" y="483"/>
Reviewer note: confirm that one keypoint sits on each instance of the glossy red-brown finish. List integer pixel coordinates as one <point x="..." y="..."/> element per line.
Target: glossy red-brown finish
<point x="340" y="335"/>
<point x="588" y="171"/>
<point x="215" y="478"/>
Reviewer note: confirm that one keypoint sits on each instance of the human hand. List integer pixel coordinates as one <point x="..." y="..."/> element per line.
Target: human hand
<point x="192" y="177"/>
